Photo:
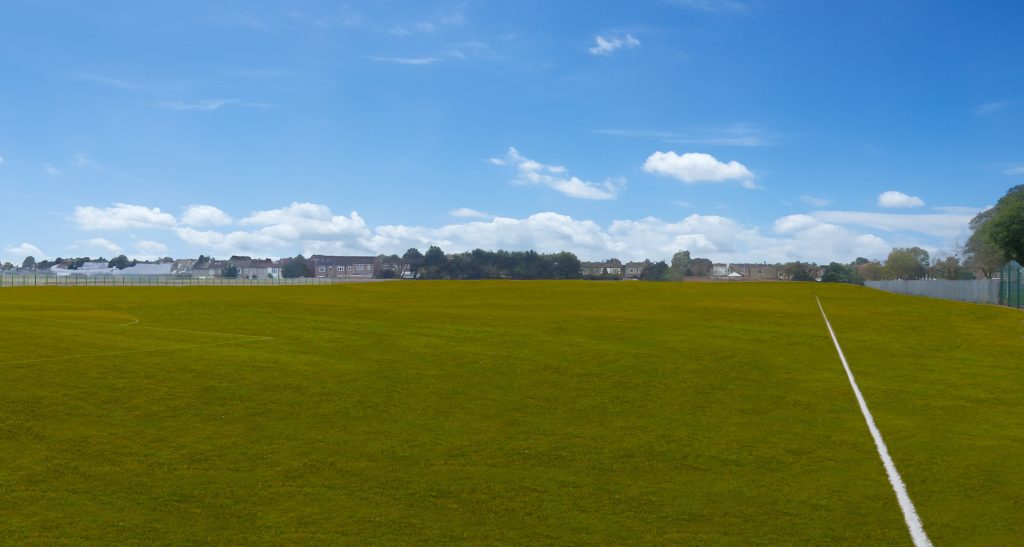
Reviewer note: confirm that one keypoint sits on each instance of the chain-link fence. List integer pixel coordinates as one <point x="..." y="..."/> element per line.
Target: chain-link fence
<point x="1010" y="290"/>
<point x="43" y="280"/>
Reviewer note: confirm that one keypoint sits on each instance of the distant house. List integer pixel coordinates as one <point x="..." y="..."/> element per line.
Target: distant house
<point x="608" y="268"/>
<point x="756" y="271"/>
<point x="719" y="270"/>
<point x="183" y="266"/>
<point x="633" y="270"/>
<point x="332" y="267"/>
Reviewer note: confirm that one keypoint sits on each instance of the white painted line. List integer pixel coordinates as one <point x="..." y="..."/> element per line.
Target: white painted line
<point x="917" y="533"/>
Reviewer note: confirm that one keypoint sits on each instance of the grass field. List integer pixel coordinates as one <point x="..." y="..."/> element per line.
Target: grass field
<point x="504" y="412"/>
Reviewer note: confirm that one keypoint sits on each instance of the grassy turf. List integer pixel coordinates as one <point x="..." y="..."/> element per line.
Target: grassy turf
<point x="514" y="412"/>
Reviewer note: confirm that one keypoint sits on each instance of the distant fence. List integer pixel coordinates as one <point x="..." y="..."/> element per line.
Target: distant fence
<point x="980" y="291"/>
<point x="32" y="280"/>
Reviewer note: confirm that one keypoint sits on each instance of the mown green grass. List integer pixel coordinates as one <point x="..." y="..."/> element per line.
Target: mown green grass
<point x="503" y="412"/>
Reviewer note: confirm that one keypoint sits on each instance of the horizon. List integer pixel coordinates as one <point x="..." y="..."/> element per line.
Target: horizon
<point x="741" y="131"/>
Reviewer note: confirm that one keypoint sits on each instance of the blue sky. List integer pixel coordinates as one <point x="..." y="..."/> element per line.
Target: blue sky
<point x="742" y="130"/>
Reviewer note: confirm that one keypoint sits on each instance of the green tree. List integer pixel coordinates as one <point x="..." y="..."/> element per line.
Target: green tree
<point x="840" y="273"/>
<point x="947" y="268"/>
<point x="871" y="271"/>
<point x="120" y="262"/>
<point x="229" y="272"/>
<point x="798" y="271"/>
<point x="296" y="267"/>
<point x="1003" y="225"/>
<point x="413" y="258"/>
<point x="435" y="263"/>
<point x="907" y="263"/>
<point x="680" y="265"/>
<point x="29" y="262"/>
<point x="564" y="265"/>
<point x="659" y="271"/>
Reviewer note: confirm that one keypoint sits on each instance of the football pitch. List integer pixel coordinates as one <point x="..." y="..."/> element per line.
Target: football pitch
<point x="505" y="412"/>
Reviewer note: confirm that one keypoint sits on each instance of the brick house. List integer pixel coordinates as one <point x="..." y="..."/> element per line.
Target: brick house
<point x="333" y="267"/>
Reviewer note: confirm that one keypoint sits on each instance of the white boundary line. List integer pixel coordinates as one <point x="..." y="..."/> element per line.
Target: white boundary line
<point x="917" y="533"/>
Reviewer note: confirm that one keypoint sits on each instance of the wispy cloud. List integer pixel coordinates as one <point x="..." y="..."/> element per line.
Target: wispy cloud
<point x="712" y="6"/>
<point x="740" y="134"/>
<point x="436" y="23"/>
<point x="1014" y="170"/>
<point x="52" y="171"/>
<point x="413" y="61"/>
<point x="815" y="201"/>
<point x="24" y="250"/>
<point x="110" y="81"/>
<point x="98" y="243"/>
<point x="84" y="161"/>
<point x="210" y="105"/>
<point x="556" y="177"/>
<point x="991" y="108"/>
<point x="607" y="46"/>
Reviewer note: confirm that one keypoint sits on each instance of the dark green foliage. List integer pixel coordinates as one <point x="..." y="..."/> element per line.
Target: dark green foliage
<point x="907" y="263"/>
<point x="230" y="272"/>
<point x="296" y="267"/>
<point x="1003" y="225"/>
<point x="798" y="271"/>
<point x="659" y="271"/>
<point x="29" y="262"/>
<point x="481" y="264"/>
<point x="121" y="262"/>
<point x="841" y="273"/>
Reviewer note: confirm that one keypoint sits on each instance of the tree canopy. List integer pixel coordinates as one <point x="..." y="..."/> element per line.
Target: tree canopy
<point x="1001" y="227"/>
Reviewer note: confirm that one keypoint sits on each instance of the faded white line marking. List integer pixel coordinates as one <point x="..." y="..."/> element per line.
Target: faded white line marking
<point x="917" y="533"/>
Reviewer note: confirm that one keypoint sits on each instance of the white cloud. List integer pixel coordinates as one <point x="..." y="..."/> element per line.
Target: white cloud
<point x="1" y="160"/>
<point x="465" y="212"/>
<point x="1015" y="170"/>
<point x="948" y="225"/>
<point x="990" y="108"/>
<point x="415" y="61"/>
<point x="695" y="167"/>
<point x="309" y="227"/>
<point x="121" y="216"/>
<point x="553" y="176"/>
<point x="205" y="215"/>
<point x="25" y="250"/>
<point x="52" y="171"/>
<point x="716" y="237"/>
<point x="153" y="249"/>
<point x="815" y="201"/>
<point x="99" y="243"/>
<point x="893" y="199"/>
<point x="607" y="46"/>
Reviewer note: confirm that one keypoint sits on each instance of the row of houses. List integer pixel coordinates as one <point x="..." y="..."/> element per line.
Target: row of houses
<point x="633" y="270"/>
<point x="321" y="266"/>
